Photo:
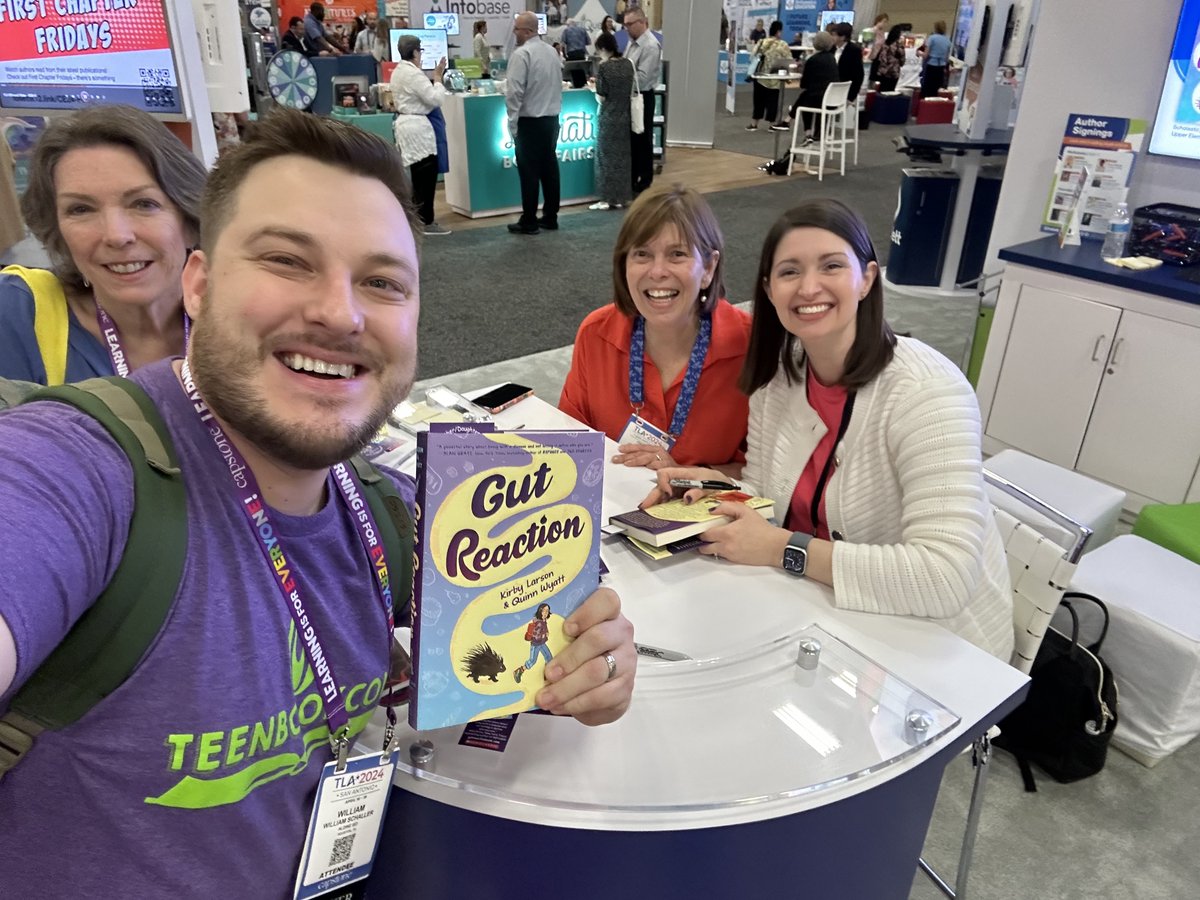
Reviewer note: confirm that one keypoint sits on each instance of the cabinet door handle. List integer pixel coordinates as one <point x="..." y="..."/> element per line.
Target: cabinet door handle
<point x="1096" y="349"/>
<point x="1112" y="361"/>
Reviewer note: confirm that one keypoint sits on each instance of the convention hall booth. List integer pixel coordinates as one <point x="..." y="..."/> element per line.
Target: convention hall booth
<point x="776" y="744"/>
<point x="768" y="733"/>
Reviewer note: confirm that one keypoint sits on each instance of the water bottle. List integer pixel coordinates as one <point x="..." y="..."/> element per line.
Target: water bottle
<point x="1118" y="234"/>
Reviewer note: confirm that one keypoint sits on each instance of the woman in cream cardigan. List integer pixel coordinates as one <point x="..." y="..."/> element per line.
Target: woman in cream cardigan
<point x="868" y="443"/>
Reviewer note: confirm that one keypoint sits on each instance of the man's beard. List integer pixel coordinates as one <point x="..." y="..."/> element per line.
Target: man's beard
<point x="224" y="377"/>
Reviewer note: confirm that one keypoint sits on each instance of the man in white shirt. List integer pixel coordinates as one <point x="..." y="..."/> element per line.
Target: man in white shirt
<point x="645" y="53"/>
<point x="534" y="98"/>
<point x="365" y="42"/>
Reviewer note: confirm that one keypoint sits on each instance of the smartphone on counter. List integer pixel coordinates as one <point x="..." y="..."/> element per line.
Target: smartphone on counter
<point x="503" y="397"/>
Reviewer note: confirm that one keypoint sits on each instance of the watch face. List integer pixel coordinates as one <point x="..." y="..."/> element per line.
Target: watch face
<point x="794" y="560"/>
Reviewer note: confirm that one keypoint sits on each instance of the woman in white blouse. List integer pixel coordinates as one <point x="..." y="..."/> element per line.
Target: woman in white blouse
<point x="415" y="96"/>
<point x="481" y="47"/>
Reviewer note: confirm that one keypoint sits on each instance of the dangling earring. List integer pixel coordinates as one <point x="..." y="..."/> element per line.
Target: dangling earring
<point x="86" y="283"/>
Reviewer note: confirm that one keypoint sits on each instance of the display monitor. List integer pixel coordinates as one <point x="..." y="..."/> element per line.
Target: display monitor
<point x="121" y="53"/>
<point x="827" y="17"/>
<point x="968" y="25"/>
<point x="448" y="22"/>
<point x="434" y="47"/>
<point x="1177" y="125"/>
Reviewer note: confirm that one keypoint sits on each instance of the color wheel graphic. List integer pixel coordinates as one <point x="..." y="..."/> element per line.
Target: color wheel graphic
<point x="292" y="79"/>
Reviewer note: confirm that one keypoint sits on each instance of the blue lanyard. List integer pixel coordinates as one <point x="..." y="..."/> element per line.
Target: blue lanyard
<point x="687" y="393"/>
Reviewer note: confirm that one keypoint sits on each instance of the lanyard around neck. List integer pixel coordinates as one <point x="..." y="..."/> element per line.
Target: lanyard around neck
<point x="827" y="471"/>
<point x="112" y="339"/>
<point x="687" y="393"/>
<point x="245" y="487"/>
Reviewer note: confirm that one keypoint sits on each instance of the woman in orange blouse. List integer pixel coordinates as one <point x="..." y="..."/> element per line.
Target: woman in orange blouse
<point x="657" y="369"/>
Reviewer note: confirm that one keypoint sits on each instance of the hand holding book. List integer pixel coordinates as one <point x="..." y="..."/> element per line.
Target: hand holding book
<point x="748" y="539"/>
<point x="578" y="682"/>
<point x="664" y="491"/>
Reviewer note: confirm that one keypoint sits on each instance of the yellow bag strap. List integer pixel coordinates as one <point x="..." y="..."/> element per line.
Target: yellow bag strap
<point x="50" y="320"/>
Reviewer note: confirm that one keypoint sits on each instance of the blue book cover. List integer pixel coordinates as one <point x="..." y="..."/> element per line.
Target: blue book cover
<point x="507" y="546"/>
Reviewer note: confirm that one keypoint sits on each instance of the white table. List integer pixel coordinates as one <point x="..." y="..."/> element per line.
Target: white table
<point x="716" y="782"/>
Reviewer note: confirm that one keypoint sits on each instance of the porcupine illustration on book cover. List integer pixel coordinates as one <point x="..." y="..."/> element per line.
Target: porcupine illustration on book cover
<point x="508" y="546"/>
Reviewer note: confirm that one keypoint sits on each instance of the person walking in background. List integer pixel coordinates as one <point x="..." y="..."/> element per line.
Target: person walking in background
<point x="533" y="95"/>
<point x="937" y="61"/>
<point x="368" y="36"/>
<point x="480" y="46"/>
<point x="382" y="48"/>
<point x="613" y="84"/>
<point x="849" y="57"/>
<point x="775" y="56"/>
<point x="645" y="53"/>
<point x="315" y="34"/>
<point x="891" y="60"/>
<point x="575" y="40"/>
<point x="880" y="28"/>
<point x="415" y="97"/>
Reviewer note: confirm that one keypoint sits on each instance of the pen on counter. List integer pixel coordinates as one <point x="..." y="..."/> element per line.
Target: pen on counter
<point x="705" y="485"/>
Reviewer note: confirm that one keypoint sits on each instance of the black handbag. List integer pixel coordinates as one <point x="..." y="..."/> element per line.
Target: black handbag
<point x="1067" y="720"/>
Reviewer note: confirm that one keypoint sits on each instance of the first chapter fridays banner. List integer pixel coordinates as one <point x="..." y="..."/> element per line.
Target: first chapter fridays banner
<point x="62" y="54"/>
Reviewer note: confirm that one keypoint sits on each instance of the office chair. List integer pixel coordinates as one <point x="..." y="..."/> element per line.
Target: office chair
<point x="1040" y="571"/>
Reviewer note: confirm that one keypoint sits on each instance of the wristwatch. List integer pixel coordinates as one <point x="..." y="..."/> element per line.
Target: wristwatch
<point x="795" y="554"/>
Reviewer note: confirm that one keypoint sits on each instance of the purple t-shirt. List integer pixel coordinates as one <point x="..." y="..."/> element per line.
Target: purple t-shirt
<point x="196" y="776"/>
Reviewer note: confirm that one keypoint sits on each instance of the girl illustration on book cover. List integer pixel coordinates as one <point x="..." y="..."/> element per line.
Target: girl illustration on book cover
<point x="537" y="634"/>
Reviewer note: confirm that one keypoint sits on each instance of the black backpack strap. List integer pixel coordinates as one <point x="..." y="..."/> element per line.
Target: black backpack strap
<point x="388" y="508"/>
<point x="108" y="641"/>
<point x="1026" y="774"/>
<point x="1068" y="596"/>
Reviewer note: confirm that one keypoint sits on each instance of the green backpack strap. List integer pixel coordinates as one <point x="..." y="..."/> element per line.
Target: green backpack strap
<point x="108" y="641"/>
<point x="388" y="508"/>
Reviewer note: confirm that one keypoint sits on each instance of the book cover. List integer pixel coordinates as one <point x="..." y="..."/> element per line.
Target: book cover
<point x="507" y="546"/>
<point x="666" y="551"/>
<point x="665" y="523"/>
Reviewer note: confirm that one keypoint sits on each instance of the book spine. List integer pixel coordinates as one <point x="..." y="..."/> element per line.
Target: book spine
<point x="419" y="532"/>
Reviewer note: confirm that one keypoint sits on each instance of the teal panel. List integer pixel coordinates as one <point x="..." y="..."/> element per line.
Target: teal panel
<point x="491" y="160"/>
<point x="379" y="124"/>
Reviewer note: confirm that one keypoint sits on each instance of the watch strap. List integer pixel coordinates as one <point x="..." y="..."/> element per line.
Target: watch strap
<point x="800" y="539"/>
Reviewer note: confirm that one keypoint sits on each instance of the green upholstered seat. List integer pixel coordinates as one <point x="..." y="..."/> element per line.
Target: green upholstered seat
<point x="1174" y="526"/>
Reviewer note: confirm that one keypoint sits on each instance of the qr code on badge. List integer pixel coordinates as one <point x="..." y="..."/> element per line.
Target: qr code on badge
<point x="341" y="849"/>
<point x="155" y="77"/>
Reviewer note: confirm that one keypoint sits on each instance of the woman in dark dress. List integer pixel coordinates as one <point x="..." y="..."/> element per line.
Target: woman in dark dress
<point x="614" y="86"/>
<point x="820" y="71"/>
<point x="891" y="59"/>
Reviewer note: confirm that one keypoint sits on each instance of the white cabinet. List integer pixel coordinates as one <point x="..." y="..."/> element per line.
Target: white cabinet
<point x="1056" y="353"/>
<point x="1098" y="379"/>
<point x="1144" y="434"/>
